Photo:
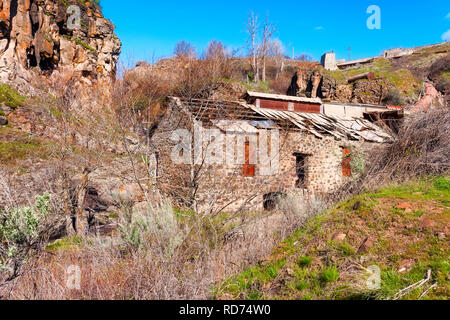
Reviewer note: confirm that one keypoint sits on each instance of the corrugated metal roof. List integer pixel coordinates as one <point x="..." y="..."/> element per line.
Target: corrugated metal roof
<point x="319" y="125"/>
<point x="238" y="126"/>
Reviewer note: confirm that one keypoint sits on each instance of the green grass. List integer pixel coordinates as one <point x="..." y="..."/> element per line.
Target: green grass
<point x="17" y="146"/>
<point x="442" y="184"/>
<point x="13" y="151"/>
<point x="83" y="44"/>
<point x="80" y="42"/>
<point x="304" y="261"/>
<point x="329" y="275"/>
<point x="257" y="86"/>
<point x="393" y="281"/>
<point x="424" y="189"/>
<point x="402" y="79"/>
<point x="446" y="76"/>
<point x="65" y="244"/>
<point x="308" y="265"/>
<point x="10" y="97"/>
<point x="346" y="250"/>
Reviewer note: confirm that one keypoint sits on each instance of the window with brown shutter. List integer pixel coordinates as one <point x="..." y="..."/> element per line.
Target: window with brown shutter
<point x="249" y="169"/>
<point x="347" y="163"/>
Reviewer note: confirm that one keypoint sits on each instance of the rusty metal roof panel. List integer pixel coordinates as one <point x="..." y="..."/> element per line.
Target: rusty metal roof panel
<point x="283" y="97"/>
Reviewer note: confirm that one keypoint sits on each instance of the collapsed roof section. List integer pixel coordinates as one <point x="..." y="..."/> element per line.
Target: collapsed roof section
<point x="319" y="125"/>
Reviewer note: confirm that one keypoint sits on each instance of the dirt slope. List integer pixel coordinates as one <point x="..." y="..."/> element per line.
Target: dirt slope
<point x="403" y="231"/>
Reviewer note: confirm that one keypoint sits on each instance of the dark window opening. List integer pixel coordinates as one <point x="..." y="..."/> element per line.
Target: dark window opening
<point x="347" y="163"/>
<point x="272" y="201"/>
<point x="300" y="167"/>
<point x="249" y="169"/>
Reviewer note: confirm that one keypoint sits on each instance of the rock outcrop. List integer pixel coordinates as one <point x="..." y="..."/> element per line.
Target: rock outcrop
<point x="431" y="95"/>
<point x="312" y="83"/>
<point x="36" y="39"/>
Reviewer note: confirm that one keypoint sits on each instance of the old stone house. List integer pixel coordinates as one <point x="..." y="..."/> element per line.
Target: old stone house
<point x="241" y="155"/>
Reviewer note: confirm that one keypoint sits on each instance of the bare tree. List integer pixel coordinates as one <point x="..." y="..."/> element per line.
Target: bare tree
<point x="252" y="30"/>
<point x="304" y="57"/>
<point x="268" y="31"/>
<point x="217" y="59"/>
<point x="184" y="49"/>
<point x="215" y="50"/>
<point x="276" y="50"/>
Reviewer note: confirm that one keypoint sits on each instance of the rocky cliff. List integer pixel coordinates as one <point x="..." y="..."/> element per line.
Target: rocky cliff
<point x="36" y="39"/>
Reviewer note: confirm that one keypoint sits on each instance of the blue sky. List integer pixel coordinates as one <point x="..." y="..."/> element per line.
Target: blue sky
<point x="150" y="29"/>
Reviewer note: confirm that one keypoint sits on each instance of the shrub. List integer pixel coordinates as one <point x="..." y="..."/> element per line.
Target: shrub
<point x="394" y="97"/>
<point x="150" y="226"/>
<point x="24" y="230"/>
<point x="358" y="163"/>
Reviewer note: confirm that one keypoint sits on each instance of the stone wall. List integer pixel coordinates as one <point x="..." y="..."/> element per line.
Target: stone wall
<point x="225" y="186"/>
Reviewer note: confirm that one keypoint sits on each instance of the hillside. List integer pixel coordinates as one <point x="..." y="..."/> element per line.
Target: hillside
<point x="398" y="81"/>
<point x="88" y="176"/>
<point x="402" y="229"/>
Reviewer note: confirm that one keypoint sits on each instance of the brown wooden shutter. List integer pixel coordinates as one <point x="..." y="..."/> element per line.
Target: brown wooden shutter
<point x="249" y="169"/>
<point x="347" y="163"/>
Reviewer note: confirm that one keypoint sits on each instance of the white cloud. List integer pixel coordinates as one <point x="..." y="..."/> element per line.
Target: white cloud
<point x="448" y="15"/>
<point x="446" y="36"/>
<point x="319" y="28"/>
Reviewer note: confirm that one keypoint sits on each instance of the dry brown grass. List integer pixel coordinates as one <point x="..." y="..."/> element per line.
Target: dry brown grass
<point x="111" y="270"/>
<point x="281" y="85"/>
<point x="420" y="149"/>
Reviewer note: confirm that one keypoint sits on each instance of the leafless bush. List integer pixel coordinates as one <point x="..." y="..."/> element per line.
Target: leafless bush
<point x="439" y="67"/>
<point x="421" y="149"/>
<point x="394" y="97"/>
<point x="184" y="49"/>
<point x="201" y="77"/>
<point x="298" y="209"/>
